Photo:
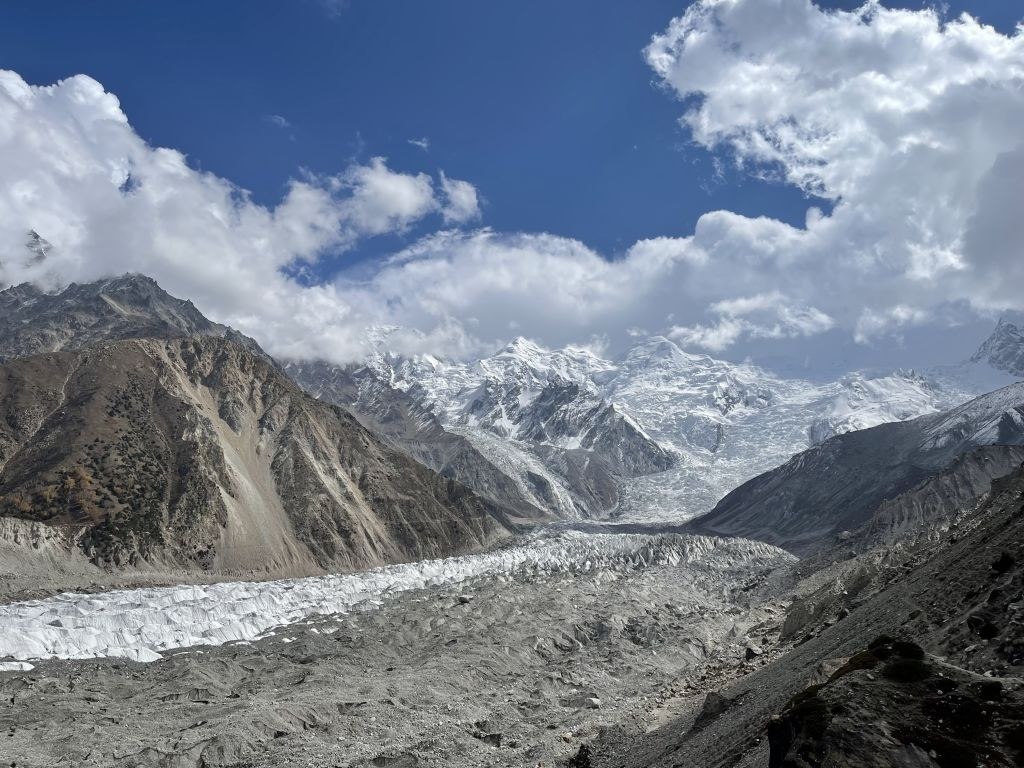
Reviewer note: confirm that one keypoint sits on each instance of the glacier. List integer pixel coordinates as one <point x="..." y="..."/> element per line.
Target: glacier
<point x="143" y="624"/>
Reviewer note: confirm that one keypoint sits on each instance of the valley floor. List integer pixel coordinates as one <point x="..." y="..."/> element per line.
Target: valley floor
<point x="511" y="665"/>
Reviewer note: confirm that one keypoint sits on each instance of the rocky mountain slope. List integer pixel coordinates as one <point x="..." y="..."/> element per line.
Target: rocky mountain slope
<point x="922" y="667"/>
<point x="131" y="306"/>
<point x="395" y="415"/>
<point x="923" y="711"/>
<point x="138" y="434"/>
<point x="836" y="486"/>
<point x="194" y="454"/>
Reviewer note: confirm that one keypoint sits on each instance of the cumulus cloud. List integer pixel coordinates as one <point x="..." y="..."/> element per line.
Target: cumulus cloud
<point x="76" y="172"/>
<point x="376" y="200"/>
<point x="462" y="204"/>
<point x="761" y="316"/>
<point x="907" y="125"/>
<point x="872" y="322"/>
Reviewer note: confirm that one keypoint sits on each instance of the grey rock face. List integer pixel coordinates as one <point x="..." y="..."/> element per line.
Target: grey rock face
<point x="541" y="446"/>
<point x="204" y="456"/>
<point x="1004" y="349"/>
<point x="131" y="306"/>
<point x="923" y="713"/>
<point x="397" y="416"/>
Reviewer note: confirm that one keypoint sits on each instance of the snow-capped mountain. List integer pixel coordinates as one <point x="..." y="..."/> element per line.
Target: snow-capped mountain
<point x="838" y="485"/>
<point x="538" y="415"/>
<point x="656" y="434"/>
<point x="862" y="402"/>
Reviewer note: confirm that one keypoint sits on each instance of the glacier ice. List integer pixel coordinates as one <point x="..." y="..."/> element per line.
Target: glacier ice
<point x="140" y="624"/>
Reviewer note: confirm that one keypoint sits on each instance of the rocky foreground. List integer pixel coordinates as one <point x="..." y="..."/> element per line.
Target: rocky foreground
<point x="949" y="694"/>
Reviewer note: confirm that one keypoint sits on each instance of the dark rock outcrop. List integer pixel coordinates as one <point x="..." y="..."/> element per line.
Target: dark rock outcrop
<point x="891" y="705"/>
<point x="1004" y="349"/>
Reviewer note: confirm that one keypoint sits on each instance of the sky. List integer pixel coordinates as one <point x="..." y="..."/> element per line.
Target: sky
<point x="819" y="186"/>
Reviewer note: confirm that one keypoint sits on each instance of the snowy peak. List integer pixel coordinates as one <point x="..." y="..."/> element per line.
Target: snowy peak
<point x="542" y="416"/>
<point x="657" y="433"/>
<point x="1004" y="349"/>
<point x="534" y="365"/>
<point x="864" y="401"/>
<point x="523" y="348"/>
<point x="658" y="352"/>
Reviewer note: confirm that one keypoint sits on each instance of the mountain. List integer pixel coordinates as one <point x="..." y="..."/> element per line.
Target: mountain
<point x="836" y="486"/>
<point x="136" y="432"/>
<point x="128" y="307"/>
<point x="193" y="453"/>
<point x="1004" y="349"/>
<point x="395" y="415"/>
<point x="920" y="669"/>
<point x="863" y="401"/>
<point x="534" y="431"/>
<point x="658" y="434"/>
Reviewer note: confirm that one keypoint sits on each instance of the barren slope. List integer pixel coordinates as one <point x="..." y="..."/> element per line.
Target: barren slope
<point x="836" y="486"/>
<point x="198" y="454"/>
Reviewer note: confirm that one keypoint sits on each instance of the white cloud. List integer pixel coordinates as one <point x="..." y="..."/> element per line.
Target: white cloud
<point x="872" y="323"/>
<point x="378" y="200"/>
<point x="278" y="120"/>
<point x="761" y="316"/>
<point x="909" y="127"/>
<point x="75" y="171"/>
<point x="905" y="122"/>
<point x="423" y="143"/>
<point x="462" y="204"/>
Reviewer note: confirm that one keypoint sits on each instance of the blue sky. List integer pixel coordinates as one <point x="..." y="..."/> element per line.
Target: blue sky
<point x="549" y="109"/>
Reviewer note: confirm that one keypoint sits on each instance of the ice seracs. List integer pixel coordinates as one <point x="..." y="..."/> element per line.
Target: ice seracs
<point x="141" y="624"/>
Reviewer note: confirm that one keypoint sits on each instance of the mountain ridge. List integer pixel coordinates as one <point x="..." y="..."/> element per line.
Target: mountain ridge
<point x="835" y="486"/>
<point x="1004" y="349"/>
<point x="719" y="423"/>
<point x="131" y="305"/>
